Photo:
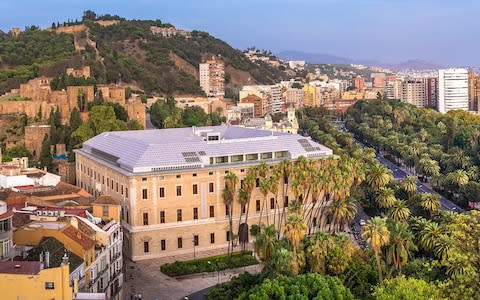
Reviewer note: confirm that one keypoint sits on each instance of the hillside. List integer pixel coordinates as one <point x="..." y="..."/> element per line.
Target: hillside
<point x="125" y="51"/>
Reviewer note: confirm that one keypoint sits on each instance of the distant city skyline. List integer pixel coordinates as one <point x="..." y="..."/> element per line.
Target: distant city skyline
<point x="389" y="31"/>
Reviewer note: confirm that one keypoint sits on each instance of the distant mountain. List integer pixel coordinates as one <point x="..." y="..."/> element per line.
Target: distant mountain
<point x="320" y="58"/>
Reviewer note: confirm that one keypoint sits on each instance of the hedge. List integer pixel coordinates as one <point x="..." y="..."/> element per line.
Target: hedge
<point x="217" y="263"/>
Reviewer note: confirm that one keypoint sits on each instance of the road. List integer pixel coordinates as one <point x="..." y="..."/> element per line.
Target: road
<point x="399" y="173"/>
<point x="149" y="122"/>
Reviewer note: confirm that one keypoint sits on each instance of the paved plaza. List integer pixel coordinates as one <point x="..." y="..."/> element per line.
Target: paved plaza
<point x="144" y="277"/>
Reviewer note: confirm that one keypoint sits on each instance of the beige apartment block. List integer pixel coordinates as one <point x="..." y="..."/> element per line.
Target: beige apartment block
<point x="169" y="182"/>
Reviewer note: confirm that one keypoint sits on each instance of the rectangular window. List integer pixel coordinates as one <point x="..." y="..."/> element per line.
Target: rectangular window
<point x="161" y="192"/>
<point x="244" y="209"/>
<point x="179" y="190"/>
<point x="228" y="236"/>
<point x="210" y="187"/>
<point x="272" y="203"/>
<point x="285" y="203"/>
<point x="116" y="187"/>
<point x="212" y="238"/>
<point x="241" y="183"/>
<point x="179" y="215"/>
<point x="179" y="243"/>
<point x="195" y="213"/>
<point x="105" y="211"/>
<point x="103" y="179"/>
<point x="144" y="178"/>
<point x="144" y="194"/>
<point x="145" y="247"/>
<point x="49" y="285"/>
<point x="210" y="173"/>
<point x="257" y="182"/>
<point x="163" y="245"/>
<point x="195" y="189"/>
<point x="227" y="211"/>
<point x="161" y="177"/>
<point x="145" y="218"/>
<point x="195" y="240"/>
<point x="212" y="211"/>
<point x="162" y="216"/>
<point x="257" y="205"/>
<point x="126" y="192"/>
<point x="179" y="176"/>
<point x="194" y="175"/>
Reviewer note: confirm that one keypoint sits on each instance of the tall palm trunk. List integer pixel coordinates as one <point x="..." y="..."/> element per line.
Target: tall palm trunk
<point x="379" y="267"/>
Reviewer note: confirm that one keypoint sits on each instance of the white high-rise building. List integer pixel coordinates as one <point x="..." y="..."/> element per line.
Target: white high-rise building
<point x="452" y="90"/>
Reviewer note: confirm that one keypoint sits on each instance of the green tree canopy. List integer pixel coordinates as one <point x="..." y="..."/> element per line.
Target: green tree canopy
<point x="405" y="288"/>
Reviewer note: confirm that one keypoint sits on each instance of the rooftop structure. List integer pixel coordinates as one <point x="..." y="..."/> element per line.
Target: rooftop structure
<point x="150" y="151"/>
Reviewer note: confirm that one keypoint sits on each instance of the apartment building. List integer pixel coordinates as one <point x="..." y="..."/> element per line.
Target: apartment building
<point x="6" y="241"/>
<point x="413" y="92"/>
<point x="312" y="97"/>
<point x="271" y="95"/>
<point x="294" y="96"/>
<point x="169" y="182"/>
<point x="431" y="91"/>
<point x="212" y="78"/>
<point x="452" y="90"/>
<point x="358" y="83"/>
<point x="393" y="87"/>
<point x="473" y="91"/>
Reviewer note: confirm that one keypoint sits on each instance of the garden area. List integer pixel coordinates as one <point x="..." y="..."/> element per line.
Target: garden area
<point x="209" y="264"/>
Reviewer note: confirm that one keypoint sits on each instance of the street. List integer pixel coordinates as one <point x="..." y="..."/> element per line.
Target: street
<point x="399" y="173"/>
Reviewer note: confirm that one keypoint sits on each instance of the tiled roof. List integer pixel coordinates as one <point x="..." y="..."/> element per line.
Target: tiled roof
<point x="79" y="237"/>
<point x="147" y="150"/>
<point x="56" y="251"/>
<point x="106" y="200"/>
<point x="20" y="267"/>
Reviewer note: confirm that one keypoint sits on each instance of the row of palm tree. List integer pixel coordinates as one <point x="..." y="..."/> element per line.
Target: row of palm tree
<point x="322" y="186"/>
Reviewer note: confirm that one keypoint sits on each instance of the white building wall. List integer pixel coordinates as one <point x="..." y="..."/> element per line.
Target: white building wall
<point x="452" y="90"/>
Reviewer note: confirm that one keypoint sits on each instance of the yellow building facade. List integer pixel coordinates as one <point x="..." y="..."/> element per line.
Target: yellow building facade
<point x="26" y="280"/>
<point x="169" y="182"/>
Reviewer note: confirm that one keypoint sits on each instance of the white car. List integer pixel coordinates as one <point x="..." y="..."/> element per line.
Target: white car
<point x="362" y="222"/>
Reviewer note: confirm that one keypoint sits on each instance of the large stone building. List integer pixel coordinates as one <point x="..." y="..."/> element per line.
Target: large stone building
<point x="169" y="182"/>
<point x="36" y="98"/>
<point x="260" y="107"/>
<point x="34" y="135"/>
<point x="212" y="78"/>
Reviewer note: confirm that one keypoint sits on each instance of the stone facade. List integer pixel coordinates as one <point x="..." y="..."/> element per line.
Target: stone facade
<point x="65" y="169"/>
<point x="136" y="111"/>
<point x="83" y="72"/>
<point x="34" y="135"/>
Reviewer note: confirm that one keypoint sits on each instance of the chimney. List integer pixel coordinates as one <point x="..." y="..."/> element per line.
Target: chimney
<point x="47" y="260"/>
<point x="65" y="259"/>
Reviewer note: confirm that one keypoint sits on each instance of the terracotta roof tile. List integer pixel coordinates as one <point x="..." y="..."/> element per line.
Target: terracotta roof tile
<point x="79" y="237"/>
<point x="106" y="200"/>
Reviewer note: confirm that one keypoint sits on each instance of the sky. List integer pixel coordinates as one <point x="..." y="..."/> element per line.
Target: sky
<point x="393" y="31"/>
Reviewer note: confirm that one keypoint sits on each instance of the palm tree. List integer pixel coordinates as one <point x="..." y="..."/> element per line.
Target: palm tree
<point x="430" y="234"/>
<point x="228" y="194"/>
<point x="399" y="211"/>
<point x="264" y="189"/>
<point x="295" y="230"/>
<point x="400" y="246"/>
<point x="377" y="235"/>
<point x="430" y="202"/>
<point x="378" y="176"/>
<point x="265" y="242"/>
<point x="286" y="170"/>
<point x="385" y="198"/>
<point x="318" y="248"/>
<point x="342" y="213"/>
<point x="409" y="185"/>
